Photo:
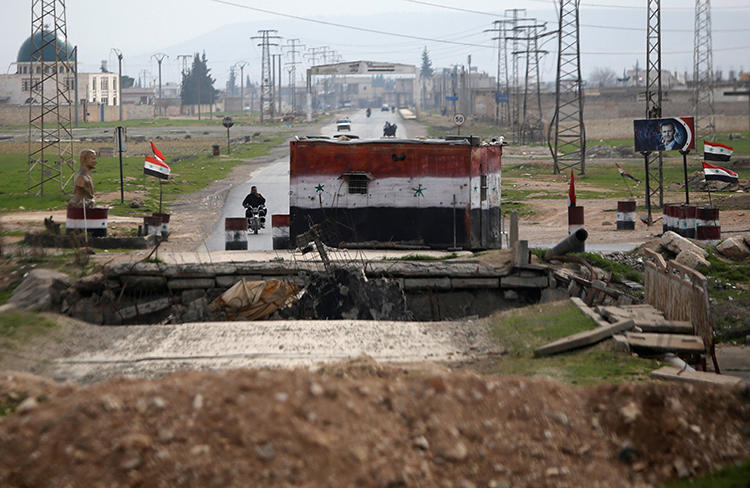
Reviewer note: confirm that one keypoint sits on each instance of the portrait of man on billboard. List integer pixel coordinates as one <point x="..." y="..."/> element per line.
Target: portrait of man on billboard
<point x="673" y="134"/>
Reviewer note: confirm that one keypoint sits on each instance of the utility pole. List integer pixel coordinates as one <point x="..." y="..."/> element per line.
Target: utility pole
<point x="267" y="36"/>
<point x="118" y="53"/>
<point x="159" y="58"/>
<point x="184" y="58"/>
<point x="242" y="65"/>
<point x="530" y="127"/>
<point x="313" y="54"/>
<point x="703" y="76"/>
<point x="292" y="45"/>
<point x="567" y="141"/>
<point x="501" y="85"/>
<point x="653" y="160"/>
<point x="515" y="92"/>
<point x="279" y="82"/>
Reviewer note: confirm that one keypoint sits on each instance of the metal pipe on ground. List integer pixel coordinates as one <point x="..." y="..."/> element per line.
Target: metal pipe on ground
<point x="570" y="244"/>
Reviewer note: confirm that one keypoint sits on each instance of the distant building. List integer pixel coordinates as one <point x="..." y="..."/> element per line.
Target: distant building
<point x="93" y="88"/>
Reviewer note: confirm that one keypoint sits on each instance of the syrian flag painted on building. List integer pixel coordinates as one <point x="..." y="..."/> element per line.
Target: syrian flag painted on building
<point x="713" y="151"/>
<point x="717" y="173"/>
<point x="625" y="174"/>
<point x="572" y="190"/>
<point x="155" y="165"/>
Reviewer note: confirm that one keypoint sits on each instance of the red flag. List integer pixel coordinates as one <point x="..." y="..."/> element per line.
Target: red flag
<point x="572" y="190"/>
<point x="157" y="153"/>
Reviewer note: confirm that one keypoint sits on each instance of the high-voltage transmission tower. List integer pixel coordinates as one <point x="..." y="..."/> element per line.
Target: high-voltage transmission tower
<point x="267" y="36"/>
<point x="515" y="92"/>
<point x="52" y="77"/>
<point x="703" y="95"/>
<point x="653" y="160"/>
<point x="530" y="128"/>
<point x="292" y="52"/>
<point x="502" y="96"/>
<point x="567" y="140"/>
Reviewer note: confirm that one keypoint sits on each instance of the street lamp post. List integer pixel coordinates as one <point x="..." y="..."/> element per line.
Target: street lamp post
<point x="118" y="53"/>
<point x="159" y="58"/>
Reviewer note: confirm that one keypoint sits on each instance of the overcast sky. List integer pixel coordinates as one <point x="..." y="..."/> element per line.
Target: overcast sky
<point x="222" y="28"/>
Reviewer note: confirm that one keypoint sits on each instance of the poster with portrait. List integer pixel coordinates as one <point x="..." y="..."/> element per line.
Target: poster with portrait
<point x="669" y="134"/>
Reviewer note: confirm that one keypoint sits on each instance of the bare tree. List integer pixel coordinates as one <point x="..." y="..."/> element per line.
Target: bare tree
<point x="602" y="77"/>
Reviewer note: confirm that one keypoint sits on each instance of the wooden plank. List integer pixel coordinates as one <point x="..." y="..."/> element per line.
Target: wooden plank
<point x="700" y="277"/>
<point x="677" y="374"/>
<point x="665" y="342"/>
<point x="660" y="262"/>
<point x="585" y="338"/>
<point x="589" y="312"/>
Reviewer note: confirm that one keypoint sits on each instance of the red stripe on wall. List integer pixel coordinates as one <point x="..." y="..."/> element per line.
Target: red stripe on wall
<point x="91" y="213"/>
<point x="391" y="160"/>
<point x="280" y="220"/>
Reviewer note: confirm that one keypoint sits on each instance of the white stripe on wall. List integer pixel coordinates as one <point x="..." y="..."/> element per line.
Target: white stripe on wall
<point x="393" y="192"/>
<point x="87" y="224"/>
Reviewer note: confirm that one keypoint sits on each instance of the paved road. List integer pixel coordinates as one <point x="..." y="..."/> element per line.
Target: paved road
<point x="273" y="181"/>
<point x="154" y="350"/>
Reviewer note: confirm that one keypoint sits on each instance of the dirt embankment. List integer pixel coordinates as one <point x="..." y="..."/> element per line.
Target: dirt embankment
<point x="362" y="424"/>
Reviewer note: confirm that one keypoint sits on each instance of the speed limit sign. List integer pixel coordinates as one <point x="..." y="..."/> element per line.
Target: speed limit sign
<point x="459" y="119"/>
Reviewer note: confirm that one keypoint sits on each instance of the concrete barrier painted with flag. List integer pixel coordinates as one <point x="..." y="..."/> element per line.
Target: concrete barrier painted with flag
<point x="280" y="231"/>
<point x="93" y="220"/>
<point x="626" y="215"/>
<point x="575" y="213"/>
<point x="235" y="230"/>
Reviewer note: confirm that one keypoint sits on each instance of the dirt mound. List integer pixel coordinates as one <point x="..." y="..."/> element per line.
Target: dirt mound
<point x="365" y="424"/>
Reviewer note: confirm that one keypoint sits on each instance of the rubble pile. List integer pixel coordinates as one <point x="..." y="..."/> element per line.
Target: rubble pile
<point x="347" y="294"/>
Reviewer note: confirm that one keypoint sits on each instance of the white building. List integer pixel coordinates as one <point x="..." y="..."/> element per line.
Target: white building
<point x="93" y="88"/>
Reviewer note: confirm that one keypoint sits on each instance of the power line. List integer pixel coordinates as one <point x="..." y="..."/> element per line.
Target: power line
<point x="351" y="27"/>
<point x="593" y="26"/>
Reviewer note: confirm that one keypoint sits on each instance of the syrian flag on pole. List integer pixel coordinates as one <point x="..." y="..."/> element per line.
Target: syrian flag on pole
<point x="713" y="151"/>
<point x="155" y="165"/>
<point x="625" y="174"/>
<point x="717" y="173"/>
<point x="157" y="153"/>
<point x="572" y="190"/>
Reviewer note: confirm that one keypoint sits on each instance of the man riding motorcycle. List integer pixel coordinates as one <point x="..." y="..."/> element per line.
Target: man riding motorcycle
<point x="255" y="199"/>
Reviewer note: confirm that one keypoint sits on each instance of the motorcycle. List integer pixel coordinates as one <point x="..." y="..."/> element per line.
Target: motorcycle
<point x="389" y="130"/>
<point x="256" y="218"/>
<point x="368" y="112"/>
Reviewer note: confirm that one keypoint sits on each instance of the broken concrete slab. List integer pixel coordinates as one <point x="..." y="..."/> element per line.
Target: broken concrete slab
<point x="734" y="248"/>
<point x="691" y="259"/>
<point x="524" y="282"/>
<point x="676" y="244"/>
<point x="475" y="283"/>
<point x="427" y="283"/>
<point x="647" y="319"/>
<point x="187" y="283"/>
<point x="40" y="290"/>
<point x="589" y="312"/>
<point x="581" y="339"/>
<point x="665" y="342"/>
<point x="146" y="308"/>
<point x="674" y="373"/>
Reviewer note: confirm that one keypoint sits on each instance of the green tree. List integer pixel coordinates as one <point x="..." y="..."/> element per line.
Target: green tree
<point x="198" y="85"/>
<point x="426" y="70"/>
<point x="232" y="88"/>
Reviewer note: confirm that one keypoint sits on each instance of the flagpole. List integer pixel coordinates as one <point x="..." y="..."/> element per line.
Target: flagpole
<point x="648" y="187"/>
<point x="684" y="170"/>
<point x="160" y="194"/>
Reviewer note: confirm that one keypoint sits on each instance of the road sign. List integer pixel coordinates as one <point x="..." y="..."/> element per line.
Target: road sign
<point x="501" y="97"/>
<point x="451" y="99"/>
<point x="459" y="119"/>
<point x="227" y="122"/>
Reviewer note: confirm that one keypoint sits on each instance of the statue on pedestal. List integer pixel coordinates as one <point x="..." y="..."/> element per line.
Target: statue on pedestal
<point x="83" y="191"/>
